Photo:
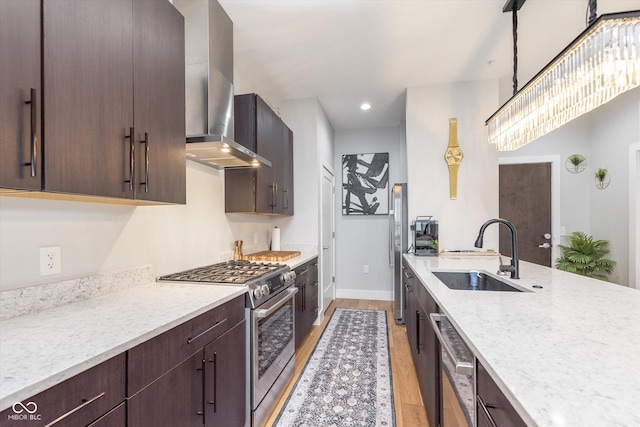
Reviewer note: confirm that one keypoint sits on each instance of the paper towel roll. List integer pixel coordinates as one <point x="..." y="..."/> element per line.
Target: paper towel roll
<point x="275" y="239"/>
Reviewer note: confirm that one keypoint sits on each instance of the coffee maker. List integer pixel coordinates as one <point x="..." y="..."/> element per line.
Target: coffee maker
<point x="425" y="236"/>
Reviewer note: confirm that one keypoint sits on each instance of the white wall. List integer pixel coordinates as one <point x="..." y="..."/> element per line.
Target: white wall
<point x="603" y="136"/>
<point x="364" y="240"/>
<point x="613" y="129"/>
<point x="101" y="237"/>
<point x="427" y="133"/>
<point x="312" y="142"/>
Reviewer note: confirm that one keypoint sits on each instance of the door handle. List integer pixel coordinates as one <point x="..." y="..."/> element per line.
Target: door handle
<point x="545" y="245"/>
<point x="325" y="247"/>
<point x="145" y="141"/>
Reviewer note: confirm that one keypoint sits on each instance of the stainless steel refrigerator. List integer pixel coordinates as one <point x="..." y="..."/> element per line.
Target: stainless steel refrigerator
<point x="398" y="244"/>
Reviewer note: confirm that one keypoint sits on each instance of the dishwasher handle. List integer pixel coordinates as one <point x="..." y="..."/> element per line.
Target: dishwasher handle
<point x="463" y="368"/>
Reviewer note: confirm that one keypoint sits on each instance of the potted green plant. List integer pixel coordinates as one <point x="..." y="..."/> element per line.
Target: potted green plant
<point x="576" y="160"/>
<point x="601" y="177"/>
<point x="586" y="256"/>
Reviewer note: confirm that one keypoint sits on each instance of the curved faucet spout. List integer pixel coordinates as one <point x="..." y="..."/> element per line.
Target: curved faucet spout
<point x="514" y="268"/>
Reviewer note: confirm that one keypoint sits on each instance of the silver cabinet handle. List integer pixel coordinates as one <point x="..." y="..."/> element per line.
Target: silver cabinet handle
<point x="262" y="313"/>
<point x="87" y="402"/>
<point x="545" y="245"/>
<point x="324" y="248"/>
<point x="463" y="368"/>
<point x="34" y="136"/>
<point x="145" y="141"/>
<point x="485" y="411"/>
<point x="132" y="158"/>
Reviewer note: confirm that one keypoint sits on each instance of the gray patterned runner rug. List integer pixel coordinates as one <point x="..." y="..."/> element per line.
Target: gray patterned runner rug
<point x="347" y="379"/>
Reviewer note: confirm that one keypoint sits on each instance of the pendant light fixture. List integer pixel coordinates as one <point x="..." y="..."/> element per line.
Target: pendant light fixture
<point x="600" y="64"/>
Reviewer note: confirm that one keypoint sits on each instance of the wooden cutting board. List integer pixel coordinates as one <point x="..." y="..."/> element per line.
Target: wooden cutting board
<point x="272" y="255"/>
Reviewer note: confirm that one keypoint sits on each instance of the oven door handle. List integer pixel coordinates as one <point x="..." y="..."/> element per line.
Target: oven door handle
<point x="266" y="312"/>
<point x="461" y="367"/>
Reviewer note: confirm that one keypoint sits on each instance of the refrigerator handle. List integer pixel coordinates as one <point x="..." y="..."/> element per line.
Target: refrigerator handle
<point x="391" y="231"/>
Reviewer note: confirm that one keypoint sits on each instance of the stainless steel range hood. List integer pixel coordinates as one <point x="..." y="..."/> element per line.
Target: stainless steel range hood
<point x="209" y="87"/>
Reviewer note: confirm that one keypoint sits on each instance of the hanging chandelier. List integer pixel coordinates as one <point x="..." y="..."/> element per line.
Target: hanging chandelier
<point x="600" y="64"/>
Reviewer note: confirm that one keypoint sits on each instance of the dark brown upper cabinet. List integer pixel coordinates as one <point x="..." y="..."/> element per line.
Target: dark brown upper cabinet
<point x="264" y="190"/>
<point x="113" y="105"/>
<point x="20" y="95"/>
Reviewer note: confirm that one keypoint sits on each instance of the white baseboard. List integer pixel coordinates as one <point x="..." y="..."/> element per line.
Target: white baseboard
<point x="363" y="294"/>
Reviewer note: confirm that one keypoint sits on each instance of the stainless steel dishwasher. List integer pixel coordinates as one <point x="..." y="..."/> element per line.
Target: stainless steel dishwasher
<point x="457" y="379"/>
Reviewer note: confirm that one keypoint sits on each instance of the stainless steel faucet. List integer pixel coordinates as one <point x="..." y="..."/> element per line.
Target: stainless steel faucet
<point x="514" y="268"/>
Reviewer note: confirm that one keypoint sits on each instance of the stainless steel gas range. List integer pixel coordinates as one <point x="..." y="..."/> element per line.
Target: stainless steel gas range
<point x="270" y="325"/>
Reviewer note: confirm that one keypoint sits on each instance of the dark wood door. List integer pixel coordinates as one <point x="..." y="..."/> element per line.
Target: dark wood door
<point x="225" y="376"/>
<point x="431" y="388"/>
<point x="159" y="100"/>
<point x="88" y="105"/>
<point x="19" y="73"/>
<point x="300" y="317"/>
<point x="525" y="201"/>
<point x="175" y="399"/>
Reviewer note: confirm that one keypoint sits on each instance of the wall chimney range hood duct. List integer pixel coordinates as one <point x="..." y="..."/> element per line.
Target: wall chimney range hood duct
<point x="209" y="88"/>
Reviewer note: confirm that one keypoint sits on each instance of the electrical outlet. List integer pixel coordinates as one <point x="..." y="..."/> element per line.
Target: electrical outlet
<point x="50" y="260"/>
<point x="563" y="231"/>
<point x="366" y="269"/>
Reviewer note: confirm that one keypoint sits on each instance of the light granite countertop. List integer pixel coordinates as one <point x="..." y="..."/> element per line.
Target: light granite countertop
<point x="305" y="255"/>
<point x="42" y="349"/>
<point x="564" y="355"/>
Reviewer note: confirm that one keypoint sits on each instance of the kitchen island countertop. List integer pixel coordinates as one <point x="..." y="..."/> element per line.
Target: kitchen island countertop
<point x="42" y="349"/>
<point x="564" y="355"/>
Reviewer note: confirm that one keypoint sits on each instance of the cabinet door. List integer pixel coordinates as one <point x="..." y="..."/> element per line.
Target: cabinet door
<point x="175" y="399"/>
<point x="287" y="176"/>
<point x="88" y="75"/>
<point x="497" y="409"/>
<point x="299" y="312"/>
<point x="410" y="317"/>
<point x="20" y="135"/>
<point x="159" y="100"/>
<point x="266" y="145"/>
<point x="431" y="388"/>
<point x="225" y="377"/>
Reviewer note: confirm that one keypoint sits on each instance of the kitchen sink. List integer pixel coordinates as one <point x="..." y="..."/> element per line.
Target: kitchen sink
<point x="474" y="281"/>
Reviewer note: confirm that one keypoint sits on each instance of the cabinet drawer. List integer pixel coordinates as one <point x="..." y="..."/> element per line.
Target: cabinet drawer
<point x="151" y="359"/>
<point x="117" y="417"/>
<point x="77" y="401"/>
<point x="496" y="405"/>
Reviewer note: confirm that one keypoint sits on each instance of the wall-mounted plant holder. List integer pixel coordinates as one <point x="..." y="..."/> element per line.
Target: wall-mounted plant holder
<point x="575" y="163"/>
<point x="603" y="178"/>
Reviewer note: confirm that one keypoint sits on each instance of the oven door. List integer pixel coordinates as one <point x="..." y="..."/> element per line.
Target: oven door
<point x="273" y="342"/>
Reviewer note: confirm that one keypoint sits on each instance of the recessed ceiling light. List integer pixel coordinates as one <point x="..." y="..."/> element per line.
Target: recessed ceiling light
<point x="365" y="106"/>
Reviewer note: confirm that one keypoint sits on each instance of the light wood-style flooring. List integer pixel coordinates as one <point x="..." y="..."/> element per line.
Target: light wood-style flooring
<point x="410" y="412"/>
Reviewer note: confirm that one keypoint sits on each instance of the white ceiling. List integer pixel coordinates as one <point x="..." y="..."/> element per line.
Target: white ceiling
<point x="345" y="52"/>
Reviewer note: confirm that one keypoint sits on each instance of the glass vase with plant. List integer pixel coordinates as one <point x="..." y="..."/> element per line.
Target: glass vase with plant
<point x="601" y="177"/>
<point x="577" y="163"/>
<point x="586" y="256"/>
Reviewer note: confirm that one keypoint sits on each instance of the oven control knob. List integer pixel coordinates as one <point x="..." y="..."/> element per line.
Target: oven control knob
<point x="265" y="289"/>
<point x="257" y="293"/>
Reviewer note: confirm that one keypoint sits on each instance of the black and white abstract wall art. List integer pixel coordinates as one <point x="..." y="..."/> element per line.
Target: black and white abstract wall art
<point x="365" y="184"/>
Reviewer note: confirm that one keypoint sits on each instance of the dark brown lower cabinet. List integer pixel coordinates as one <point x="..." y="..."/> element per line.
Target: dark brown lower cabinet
<point x="117" y="417"/>
<point x="492" y="406"/>
<point x="193" y="374"/>
<point x="78" y="401"/>
<point x="225" y="379"/>
<point x="306" y="298"/>
<point x="175" y="399"/>
<point x="425" y="348"/>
